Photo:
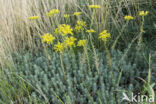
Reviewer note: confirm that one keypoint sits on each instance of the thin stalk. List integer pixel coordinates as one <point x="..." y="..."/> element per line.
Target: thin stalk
<point x="94" y="50"/>
<point x="95" y="55"/>
<point x="62" y="66"/>
<point x="127" y="50"/>
<point x="149" y="71"/>
<point x="86" y="53"/>
<point x="47" y="55"/>
<point x="109" y="61"/>
<point x="120" y="34"/>
<point x="141" y="34"/>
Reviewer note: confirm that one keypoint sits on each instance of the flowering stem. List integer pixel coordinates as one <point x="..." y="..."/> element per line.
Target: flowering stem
<point x="140" y="34"/>
<point x="122" y="30"/>
<point x="94" y="51"/>
<point x="67" y="20"/>
<point x="128" y="48"/>
<point x="72" y="52"/>
<point x="62" y="66"/>
<point x="109" y="61"/>
<point x="92" y="19"/>
<point x="95" y="55"/>
<point x="47" y="55"/>
<point x="86" y="53"/>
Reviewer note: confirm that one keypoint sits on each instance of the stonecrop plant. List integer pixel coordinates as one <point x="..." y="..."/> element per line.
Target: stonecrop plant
<point x="64" y="30"/>
<point x="33" y="17"/>
<point x="52" y="12"/>
<point x="94" y="6"/>
<point x="77" y="13"/>
<point x="68" y="34"/>
<point x="81" y="43"/>
<point x="48" y="38"/>
<point x="90" y="31"/>
<point x="104" y="36"/>
<point x="128" y="17"/>
<point x="143" y="13"/>
<point x="70" y="42"/>
<point x="59" y="47"/>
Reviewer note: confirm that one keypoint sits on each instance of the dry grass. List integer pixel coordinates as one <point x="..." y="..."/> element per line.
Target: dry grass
<point x="17" y="31"/>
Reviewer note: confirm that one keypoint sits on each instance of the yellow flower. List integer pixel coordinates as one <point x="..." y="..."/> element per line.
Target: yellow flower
<point x="77" y="13"/>
<point x="81" y="23"/>
<point x="59" y="47"/>
<point x="48" y="38"/>
<point x="90" y="31"/>
<point x="128" y="17"/>
<point x="69" y="42"/>
<point x="66" y="15"/>
<point x="33" y="17"/>
<point x="80" y="26"/>
<point x="104" y="32"/>
<point x="143" y="13"/>
<point x="94" y="6"/>
<point x="52" y="12"/>
<point x="64" y="30"/>
<point x="81" y="43"/>
<point x="104" y="35"/>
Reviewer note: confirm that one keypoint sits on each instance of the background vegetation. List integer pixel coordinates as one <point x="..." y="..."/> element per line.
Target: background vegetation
<point x="31" y="73"/>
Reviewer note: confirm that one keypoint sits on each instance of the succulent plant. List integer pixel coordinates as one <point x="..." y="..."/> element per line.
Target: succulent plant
<point x="77" y="84"/>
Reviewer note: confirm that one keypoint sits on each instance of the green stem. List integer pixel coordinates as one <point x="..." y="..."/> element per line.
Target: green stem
<point x="47" y="55"/>
<point x="120" y="34"/>
<point x="109" y="61"/>
<point x="86" y="53"/>
<point x="140" y="34"/>
<point x="127" y="50"/>
<point x="62" y="66"/>
<point x="94" y="50"/>
<point x="92" y="19"/>
<point x="95" y="55"/>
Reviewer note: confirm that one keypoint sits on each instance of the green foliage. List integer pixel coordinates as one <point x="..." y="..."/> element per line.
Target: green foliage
<point x="78" y="84"/>
<point x="14" y="89"/>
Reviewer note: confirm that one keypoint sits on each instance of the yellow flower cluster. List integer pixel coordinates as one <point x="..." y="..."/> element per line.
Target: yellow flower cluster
<point x="90" y="31"/>
<point x="80" y="26"/>
<point x="52" y="12"/>
<point x="94" y="6"/>
<point x="143" y="13"/>
<point x="66" y="15"/>
<point x="81" y="43"/>
<point x="81" y="23"/>
<point x="104" y="35"/>
<point x="64" y="30"/>
<point x="33" y="17"/>
<point x="77" y="13"/>
<point x="69" y="42"/>
<point x="48" y="38"/>
<point x="59" y="47"/>
<point x="128" y="17"/>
